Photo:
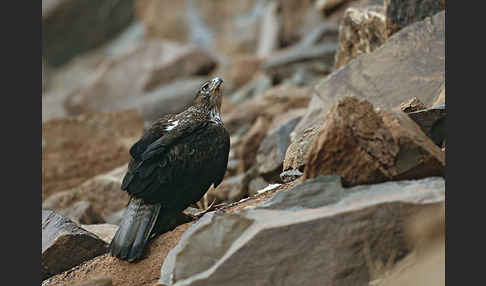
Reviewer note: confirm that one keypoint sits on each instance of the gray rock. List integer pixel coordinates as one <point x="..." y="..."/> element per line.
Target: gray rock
<point x="314" y="234"/>
<point x="64" y="26"/>
<point x="290" y="175"/>
<point x="401" y="13"/>
<point x="271" y="153"/>
<point x="82" y="212"/>
<point x="105" y="231"/>
<point x="432" y="122"/>
<point x="65" y="244"/>
<point x="149" y="66"/>
<point x="255" y="185"/>
<point x="410" y="62"/>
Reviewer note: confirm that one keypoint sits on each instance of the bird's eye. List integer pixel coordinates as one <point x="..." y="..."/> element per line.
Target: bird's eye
<point x="205" y="87"/>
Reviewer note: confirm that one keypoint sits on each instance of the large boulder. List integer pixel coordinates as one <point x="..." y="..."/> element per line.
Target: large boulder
<point x="315" y="225"/>
<point x="65" y="244"/>
<point x="79" y="148"/>
<point x="410" y="62"/>
<point x="131" y="76"/>
<point x="71" y="27"/>
<point x="365" y="147"/>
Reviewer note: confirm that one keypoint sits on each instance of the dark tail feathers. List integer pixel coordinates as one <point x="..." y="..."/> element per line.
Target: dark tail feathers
<point x="134" y="230"/>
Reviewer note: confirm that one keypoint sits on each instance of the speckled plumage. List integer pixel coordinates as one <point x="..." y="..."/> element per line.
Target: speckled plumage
<point x="172" y="166"/>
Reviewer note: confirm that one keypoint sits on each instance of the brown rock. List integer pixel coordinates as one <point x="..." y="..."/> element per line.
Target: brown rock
<point x="145" y="272"/>
<point x="364" y="147"/>
<point x="274" y="101"/>
<point x="230" y="190"/>
<point x="401" y="13"/>
<point x="65" y="244"/>
<point x="104" y="231"/>
<point x="239" y="70"/>
<point x="251" y="142"/>
<point x="79" y="148"/>
<point x="268" y="40"/>
<point x="410" y="62"/>
<point x="82" y="213"/>
<point x="229" y="27"/>
<point x="103" y="281"/>
<point x="64" y="32"/>
<point x="272" y="150"/>
<point x="317" y="224"/>
<point x="102" y="192"/>
<point x="149" y="65"/>
<point x="361" y="31"/>
<point x="298" y="18"/>
<point x="412" y="105"/>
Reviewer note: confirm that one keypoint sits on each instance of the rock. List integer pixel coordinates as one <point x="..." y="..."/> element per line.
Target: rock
<point x="102" y="192"/>
<point x="258" y="85"/>
<point x="440" y="98"/>
<point x="274" y="101"/>
<point x="251" y="142"/>
<point x="103" y="281"/>
<point x="171" y="98"/>
<point x="320" y="226"/>
<point x="255" y="185"/>
<point x="115" y="218"/>
<point x="400" y="14"/>
<point x="64" y="33"/>
<point x="149" y="66"/>
<point x="144" y="272"/>
<point x="290" y="175"/>
<point x="226" y="27"/>
<point x="432" y="122"/>
<point x="77" y="149"/>
<point x="82" y="69"/>
<point x="271" y="153"/>
<point x="65" y="244"/>
<point x="410" y="62"/>
<point x="104" y="231"/>
<point x="82" y="213"/>
<point x="230" y="190"/>
<point x="268" y="40"/>
<point x="361" y="31"/>
<point x="412" y="105"/>
<point x="298" y="18"/>
<point x="328" y="5"/>
<point x="238" y="71"/>
<point x="364" y="147"/>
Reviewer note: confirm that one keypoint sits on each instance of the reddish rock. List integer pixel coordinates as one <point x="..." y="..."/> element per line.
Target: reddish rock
<point x="102" y="192"/>
<point x="77" y="149"/>
<point x="251" y="142"/>
<point x="361" y="31"/>
<point x="411" y="62"/>
<point x="365" y="147"/>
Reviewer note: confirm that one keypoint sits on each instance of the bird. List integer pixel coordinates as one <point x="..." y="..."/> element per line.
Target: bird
<point x="172" y="166"/>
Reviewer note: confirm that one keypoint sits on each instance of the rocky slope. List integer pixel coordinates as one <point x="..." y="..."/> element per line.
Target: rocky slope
<point x="336" y="111"/>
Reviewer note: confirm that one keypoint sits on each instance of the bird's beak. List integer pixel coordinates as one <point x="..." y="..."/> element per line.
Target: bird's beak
<point x="216" y="83"/>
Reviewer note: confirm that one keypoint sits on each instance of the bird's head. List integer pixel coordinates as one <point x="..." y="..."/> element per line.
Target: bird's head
<point x="210" y="95"/>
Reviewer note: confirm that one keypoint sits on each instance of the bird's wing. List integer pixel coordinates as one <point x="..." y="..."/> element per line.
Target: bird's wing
<point x="223" y="161"/>
<point x="150" y="151"/>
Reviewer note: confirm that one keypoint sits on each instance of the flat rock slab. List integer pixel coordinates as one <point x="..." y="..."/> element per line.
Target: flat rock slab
<point x="65" y="244"/>
<point x="412" y="61"/>
<point x="317" y="234"/>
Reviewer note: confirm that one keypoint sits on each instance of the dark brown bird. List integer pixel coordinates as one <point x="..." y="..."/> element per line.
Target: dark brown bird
<point x="172" y="166"/>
